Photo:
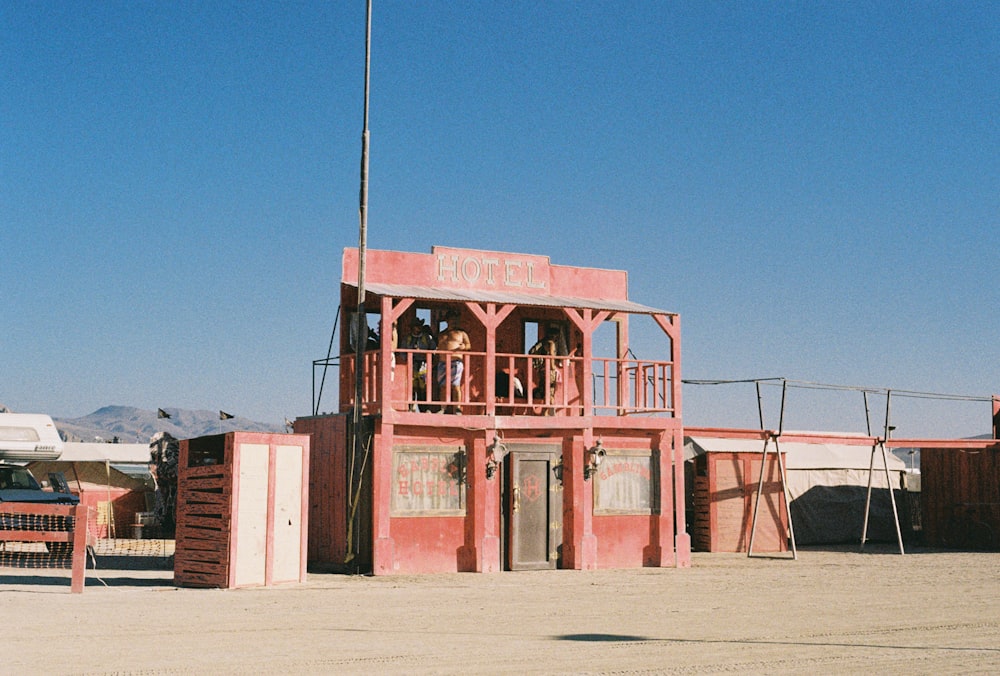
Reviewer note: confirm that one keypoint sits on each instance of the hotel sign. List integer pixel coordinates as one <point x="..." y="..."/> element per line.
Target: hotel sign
<point x="479" y="274"/>
<point x="489" y="270"/>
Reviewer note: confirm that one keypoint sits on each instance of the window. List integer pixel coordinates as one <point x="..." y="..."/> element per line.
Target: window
<point x="18" y="434"/>
<point x="626" y="483"/>
<point x="428" y="481"/>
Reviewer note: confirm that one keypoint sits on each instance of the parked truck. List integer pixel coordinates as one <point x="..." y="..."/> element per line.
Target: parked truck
<point x="28" y="437"/>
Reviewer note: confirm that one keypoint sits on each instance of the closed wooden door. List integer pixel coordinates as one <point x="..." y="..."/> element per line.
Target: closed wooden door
<point x="533" y="511"/>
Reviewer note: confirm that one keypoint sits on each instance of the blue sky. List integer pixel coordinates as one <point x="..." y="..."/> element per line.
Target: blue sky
<point x="812" y="186"/>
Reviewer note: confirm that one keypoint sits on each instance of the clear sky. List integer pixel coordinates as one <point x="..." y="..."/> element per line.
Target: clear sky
<point x="813" y="186"/>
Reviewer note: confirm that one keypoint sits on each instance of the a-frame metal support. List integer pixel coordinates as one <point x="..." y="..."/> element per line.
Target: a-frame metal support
<point x="781" y="470"/>
<point x="880" y="444"/>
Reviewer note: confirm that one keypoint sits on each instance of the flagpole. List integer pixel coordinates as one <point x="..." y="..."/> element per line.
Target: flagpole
<point x="361" y="336"/>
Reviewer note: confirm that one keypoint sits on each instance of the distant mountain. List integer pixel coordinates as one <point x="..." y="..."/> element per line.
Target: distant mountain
<point x="135" y="425"/>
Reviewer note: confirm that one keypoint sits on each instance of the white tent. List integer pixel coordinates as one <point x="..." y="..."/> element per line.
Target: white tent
<point x="99" y="452"/>
<point x="827" y="486"/>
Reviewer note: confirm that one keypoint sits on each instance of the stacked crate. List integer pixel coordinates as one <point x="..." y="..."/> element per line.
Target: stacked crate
<point x="242" y="501"/>
<point x="204" y="512"/>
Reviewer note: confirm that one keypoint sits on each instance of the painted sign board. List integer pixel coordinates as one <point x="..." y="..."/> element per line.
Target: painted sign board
<point x="428" y="480"/>
<point x="624" y="483"/>
<point x="486" y="271"/>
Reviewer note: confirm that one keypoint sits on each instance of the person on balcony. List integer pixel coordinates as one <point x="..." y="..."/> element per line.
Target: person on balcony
<point x="453" y="340"/>
<point x="419" y="338"/>
<point x="552" y="344"/>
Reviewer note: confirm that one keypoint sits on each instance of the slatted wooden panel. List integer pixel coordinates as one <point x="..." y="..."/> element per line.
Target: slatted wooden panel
<point x="701" y="538"/>
<point x="204" y="520"/>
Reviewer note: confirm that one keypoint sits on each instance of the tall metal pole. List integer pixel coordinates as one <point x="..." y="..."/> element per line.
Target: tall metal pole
<point x="361" y="335"/>
<point x="760" y="407"/>
<point x="360" y="338"/>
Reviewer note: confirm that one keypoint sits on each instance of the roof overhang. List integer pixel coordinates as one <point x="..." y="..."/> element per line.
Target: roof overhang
<point x="507" y="298"/>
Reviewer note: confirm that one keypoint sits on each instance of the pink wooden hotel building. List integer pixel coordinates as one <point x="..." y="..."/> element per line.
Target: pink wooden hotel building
<point x="572" y="460"/>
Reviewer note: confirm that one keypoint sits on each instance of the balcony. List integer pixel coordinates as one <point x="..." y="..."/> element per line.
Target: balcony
<point x="507" y="384"/>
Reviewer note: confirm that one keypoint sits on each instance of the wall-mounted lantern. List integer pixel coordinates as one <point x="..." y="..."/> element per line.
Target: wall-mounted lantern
<point x="495" y="453"/>
<point x="592" y="459"/>
<point x="557" y="470"/>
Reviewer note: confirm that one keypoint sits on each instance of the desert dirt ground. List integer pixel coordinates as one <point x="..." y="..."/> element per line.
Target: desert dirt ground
<point x="829" y="612"/>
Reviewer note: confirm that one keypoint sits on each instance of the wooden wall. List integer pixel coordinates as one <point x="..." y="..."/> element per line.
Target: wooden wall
<point x="327" y="488"/>
<point x="725" y="490"/>
<point x="960" y="497"/>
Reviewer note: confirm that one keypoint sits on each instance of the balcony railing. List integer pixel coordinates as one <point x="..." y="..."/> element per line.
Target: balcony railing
<point x="521" y="385"/>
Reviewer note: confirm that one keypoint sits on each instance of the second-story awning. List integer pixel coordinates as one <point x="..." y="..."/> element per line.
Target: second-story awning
<point x="508" y="298"/>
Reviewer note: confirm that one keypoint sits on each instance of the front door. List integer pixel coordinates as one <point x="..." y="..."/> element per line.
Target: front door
<point x="533" y="508"/>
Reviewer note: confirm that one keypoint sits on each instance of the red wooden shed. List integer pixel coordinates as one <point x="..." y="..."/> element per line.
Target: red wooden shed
<point x="960" y="494"/>
<point x="725" y="498"/>
<point x="571" y="458"/>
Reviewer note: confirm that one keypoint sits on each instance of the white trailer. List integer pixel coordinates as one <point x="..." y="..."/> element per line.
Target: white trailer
<point x="27" y="437"/>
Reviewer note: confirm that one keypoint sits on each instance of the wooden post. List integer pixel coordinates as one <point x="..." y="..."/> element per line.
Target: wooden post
<point x="383" y="552"/>
<point x="80" y="518"/>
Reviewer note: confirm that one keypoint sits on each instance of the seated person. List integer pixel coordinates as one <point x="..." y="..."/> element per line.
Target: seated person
<point x="503" y="384"/>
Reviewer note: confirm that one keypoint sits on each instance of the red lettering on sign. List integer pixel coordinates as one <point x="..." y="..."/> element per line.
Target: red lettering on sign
<point x="620" y="467"/>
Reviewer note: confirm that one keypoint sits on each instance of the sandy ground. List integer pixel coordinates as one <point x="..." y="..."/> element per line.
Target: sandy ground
<point x="829" y="612"/>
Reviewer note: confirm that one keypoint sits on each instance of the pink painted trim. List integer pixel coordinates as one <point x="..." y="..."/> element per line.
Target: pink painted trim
<point x="272" y="461"/>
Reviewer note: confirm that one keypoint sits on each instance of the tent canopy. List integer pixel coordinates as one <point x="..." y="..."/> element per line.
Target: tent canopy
<point x="826" y="486"/>
<point x="798" y="455"/>
<point x="99" y="452"/>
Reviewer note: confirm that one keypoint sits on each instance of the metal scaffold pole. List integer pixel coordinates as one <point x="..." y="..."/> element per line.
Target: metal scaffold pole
<point x="360" y="335"/>
<point x="781" y="472"/>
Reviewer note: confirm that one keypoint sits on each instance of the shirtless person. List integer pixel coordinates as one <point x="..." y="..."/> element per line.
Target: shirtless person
<point x="454" y="340"/>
